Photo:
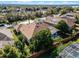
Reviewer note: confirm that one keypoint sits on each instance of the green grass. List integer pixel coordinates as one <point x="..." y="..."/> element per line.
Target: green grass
<point x="15" y="37"/>
<point x="63" y="46"/>
<point x="77" y="41"/>
<point x="57" y="39"/>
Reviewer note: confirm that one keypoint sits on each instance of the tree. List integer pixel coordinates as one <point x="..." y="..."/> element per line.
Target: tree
<point x="6" y="50"/>
<point x="77" y="9"/>
<point x="54" y="53"/>
<point x="11" y="52"/>
<point x="18" y="50"/>
<point x="1" y="53"/>
<point x="49" y="12"/>
<point x="63" y="11"/>
<point x="26" y="52"/>
<point x="32" y="16"/>
<point x="14" y="53"/>
<point x="11" y="17"/>
<point x="23" y="48"/>
<point x="41" y="40"/>
<point x="21" y="45"/>
<point x="52" y="11"/>
<point x="66" y="9"/>
<point x="38" y="14"/>
<point x="63" y="27"/>
<point x="55" y="10"/>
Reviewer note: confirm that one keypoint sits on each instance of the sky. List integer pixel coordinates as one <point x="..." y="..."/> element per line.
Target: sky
<point x="48" y="2"/>
<point x="39" y="0"/>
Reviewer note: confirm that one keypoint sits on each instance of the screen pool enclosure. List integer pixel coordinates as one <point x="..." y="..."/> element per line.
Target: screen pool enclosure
<point x="71" y="51"/>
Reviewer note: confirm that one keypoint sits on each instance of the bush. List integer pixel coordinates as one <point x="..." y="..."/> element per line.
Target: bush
<point x="11" y="52"/>
<point x="77" y="41"/>
<point x="1" y="53"/>
<point x="41" y="40"/>
<point x="54" y="53"/>
<point x="63" y="27"/>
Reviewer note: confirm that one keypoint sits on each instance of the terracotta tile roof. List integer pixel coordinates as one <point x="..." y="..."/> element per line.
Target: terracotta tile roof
<point x="29" y="30"/>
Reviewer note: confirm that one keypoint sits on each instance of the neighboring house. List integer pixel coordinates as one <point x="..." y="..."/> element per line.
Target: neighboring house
<point x="70" y="22"/>
<point x="5" y="40"/>
<point x="29" y="30"/>
<point x="69" y="15"/>
<point x="70" y="18"/>
<point x="6" y="37"/>
<point x="54" y="31"/>
<point x="55" y="20"/>
<point x="6" y="32"/>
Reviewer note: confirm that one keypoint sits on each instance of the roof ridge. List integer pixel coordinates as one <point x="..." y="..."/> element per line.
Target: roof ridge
<point x="34" y="29"/>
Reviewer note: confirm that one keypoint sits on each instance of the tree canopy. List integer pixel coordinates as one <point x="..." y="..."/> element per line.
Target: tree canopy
<point x="65" y="9"/>
<point x="41" y="40"/>
<point x="63" y="27"/>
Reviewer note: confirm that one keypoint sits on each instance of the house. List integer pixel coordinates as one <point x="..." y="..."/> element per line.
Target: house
<point x="54" y="31"/>
<point x="70" y="22"/>
<point x="69" y="15"/>
<point x="5" y="40"/>
<point x="55" y="20"/>
<point x="6" y="37"/>
<point x="29" y="30"/>
<point x="70" y="18"/>
<point x="6" y="32"/>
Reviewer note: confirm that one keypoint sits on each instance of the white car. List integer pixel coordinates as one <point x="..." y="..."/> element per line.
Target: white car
<point x="6" y="25"/>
